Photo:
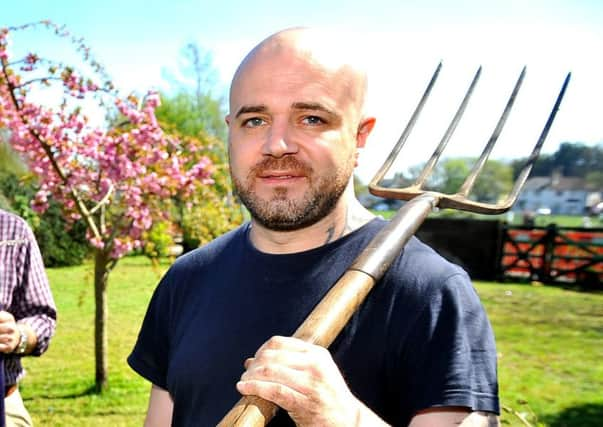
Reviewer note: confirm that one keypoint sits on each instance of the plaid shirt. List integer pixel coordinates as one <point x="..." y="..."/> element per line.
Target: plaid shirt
<point x="24" y="289"/>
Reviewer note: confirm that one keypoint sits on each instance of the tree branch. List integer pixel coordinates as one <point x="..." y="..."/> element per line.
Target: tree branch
<point x="81" y="207"/>
<point x="103" y="200"/>
<point x="39" y="79"/>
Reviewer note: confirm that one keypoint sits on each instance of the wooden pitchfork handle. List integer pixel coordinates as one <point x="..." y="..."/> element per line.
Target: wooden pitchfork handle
<point x="332" y="313"/>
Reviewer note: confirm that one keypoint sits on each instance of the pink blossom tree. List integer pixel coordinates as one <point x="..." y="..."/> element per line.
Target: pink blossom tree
<point x="118" y="176"/>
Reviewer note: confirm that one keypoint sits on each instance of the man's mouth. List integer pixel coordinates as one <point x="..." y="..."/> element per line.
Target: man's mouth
<point x="288" y="170"/>
<point x="280" y="175"/>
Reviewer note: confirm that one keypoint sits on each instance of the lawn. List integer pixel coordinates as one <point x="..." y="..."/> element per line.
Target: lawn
<point x="59" y="387"/>
<point x="550" y="345"/>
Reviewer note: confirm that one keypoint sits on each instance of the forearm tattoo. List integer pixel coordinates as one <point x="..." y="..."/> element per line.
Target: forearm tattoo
<point x="493" y="420"/>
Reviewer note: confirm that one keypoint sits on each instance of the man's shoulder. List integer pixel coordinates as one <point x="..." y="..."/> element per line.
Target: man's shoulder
<point x="12" y="226"/>
<point x="421" y="256"/>
<point x="211" y="251"/>
<point x="416" y="258"/>
<point x="421" y="270"/>
<point x="11" y="218"/>
<point x="421" y="280"/>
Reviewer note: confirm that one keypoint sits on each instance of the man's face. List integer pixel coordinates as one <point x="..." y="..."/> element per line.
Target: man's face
<point x="292" y="139"/>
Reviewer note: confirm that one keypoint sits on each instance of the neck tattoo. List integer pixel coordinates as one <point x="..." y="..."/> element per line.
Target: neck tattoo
<point x="330" y="233"/>
<point x="344" y="230"/>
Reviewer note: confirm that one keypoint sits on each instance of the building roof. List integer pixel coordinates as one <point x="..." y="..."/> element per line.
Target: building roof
<point x="557" y="182"/>
<point x="537" y="183"/>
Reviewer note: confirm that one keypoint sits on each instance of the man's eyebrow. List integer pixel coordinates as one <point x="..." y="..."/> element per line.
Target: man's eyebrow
<point x="251" y="109"/>
<point x="313" y="106"/>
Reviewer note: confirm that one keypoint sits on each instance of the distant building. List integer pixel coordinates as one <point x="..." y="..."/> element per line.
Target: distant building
<point x="559" y="195"/>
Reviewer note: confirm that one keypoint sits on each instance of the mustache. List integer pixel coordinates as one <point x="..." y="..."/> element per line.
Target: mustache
<point x="285" y="163"/>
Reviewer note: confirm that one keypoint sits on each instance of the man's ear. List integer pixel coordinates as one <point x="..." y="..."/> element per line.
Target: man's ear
<point x="364" y="129"/>
<point x="227" y="119"/>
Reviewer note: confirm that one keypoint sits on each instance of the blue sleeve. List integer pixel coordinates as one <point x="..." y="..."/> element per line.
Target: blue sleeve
<point x="449" y="358"/>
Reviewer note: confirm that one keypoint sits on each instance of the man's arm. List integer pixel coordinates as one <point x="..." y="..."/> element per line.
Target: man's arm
<point x="303" y="379"/>
<point x="160" y="409"/>
<point x="454" y="417"/>
<point x="33" y="307"/>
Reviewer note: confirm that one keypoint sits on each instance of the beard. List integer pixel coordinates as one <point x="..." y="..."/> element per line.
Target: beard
<point x="279" y="212"/>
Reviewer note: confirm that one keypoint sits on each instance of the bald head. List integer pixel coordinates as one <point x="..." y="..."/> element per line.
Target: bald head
<point x="323" y="51"/>
<point x="296" y="125"/>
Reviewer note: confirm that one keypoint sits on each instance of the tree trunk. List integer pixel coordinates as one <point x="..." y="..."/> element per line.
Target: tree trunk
<point x="101" y="276"/>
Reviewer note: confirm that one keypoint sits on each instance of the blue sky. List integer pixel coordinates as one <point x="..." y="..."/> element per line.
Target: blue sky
<point x="401" y="41"/>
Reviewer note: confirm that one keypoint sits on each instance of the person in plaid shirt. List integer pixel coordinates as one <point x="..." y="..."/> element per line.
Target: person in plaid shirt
<point x="27" y="309"/>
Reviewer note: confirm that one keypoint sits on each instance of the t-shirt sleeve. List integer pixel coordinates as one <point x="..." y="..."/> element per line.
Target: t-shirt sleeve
<point x="149" y="358"/>
<point x="450" y="356"/>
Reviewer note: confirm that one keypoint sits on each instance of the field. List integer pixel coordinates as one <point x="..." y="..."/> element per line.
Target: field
<point x="550" y="345"/>
<point x="59" y="387"/>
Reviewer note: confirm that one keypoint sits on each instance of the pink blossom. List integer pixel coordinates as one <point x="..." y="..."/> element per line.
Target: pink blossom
<point x="96" y="242"/>
<point x="129" y="172"/>
<point x="31" y="58"/>
<point x="152" y="100"/>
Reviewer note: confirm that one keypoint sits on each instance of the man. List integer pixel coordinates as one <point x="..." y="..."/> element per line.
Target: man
<point x="27" y="312"/>
<point x="420" y="350"/>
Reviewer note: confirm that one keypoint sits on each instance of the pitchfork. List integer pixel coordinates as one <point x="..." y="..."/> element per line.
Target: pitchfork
<point x="331" y="314"/>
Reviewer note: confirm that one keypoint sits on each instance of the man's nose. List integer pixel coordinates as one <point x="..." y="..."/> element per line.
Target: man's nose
<point x="279" y="141"/>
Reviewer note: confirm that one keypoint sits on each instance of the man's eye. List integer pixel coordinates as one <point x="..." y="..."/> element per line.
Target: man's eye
<point x="253" y="122"/>
<point x="313" y="120"/>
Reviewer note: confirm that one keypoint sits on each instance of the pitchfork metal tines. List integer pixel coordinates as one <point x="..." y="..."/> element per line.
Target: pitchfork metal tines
<point x="460" y="200"/>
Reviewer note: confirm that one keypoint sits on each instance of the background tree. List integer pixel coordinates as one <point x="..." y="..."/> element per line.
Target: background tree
<point x="117" y="180"/>
<point x="449" y="174"/>
<point x="594" y="179"/>
<point x="193" y="109"/>
<point x="10" y="164"/>
<point x="493" y="182"/>
<point x="577" y="159"/>
<point x="194" y="88"/>
<point x="61" y="243"/>
<point x="570" y="159"/>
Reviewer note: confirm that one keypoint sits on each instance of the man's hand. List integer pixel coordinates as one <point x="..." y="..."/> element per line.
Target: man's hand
<point x="302" y="379"/>
<point x="9" y="333"/>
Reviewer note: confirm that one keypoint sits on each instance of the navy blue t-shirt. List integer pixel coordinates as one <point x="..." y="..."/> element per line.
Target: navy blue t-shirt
<point x="421" y="339"/>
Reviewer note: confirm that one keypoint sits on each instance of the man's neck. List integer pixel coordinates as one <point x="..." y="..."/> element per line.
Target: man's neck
<point x="347" y="216"/>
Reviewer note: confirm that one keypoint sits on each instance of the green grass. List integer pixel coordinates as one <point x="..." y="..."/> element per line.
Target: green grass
<point x="550" y="344"/>
<point x="58" y="389"/>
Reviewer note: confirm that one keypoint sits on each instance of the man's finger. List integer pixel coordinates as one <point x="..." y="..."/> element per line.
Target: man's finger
<point x="301" y="381"/>
<point x="278" y="342"/>
<point x="280" y="394"/>
<point x="5" y="316"/>
<point x="284" y="357"/>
